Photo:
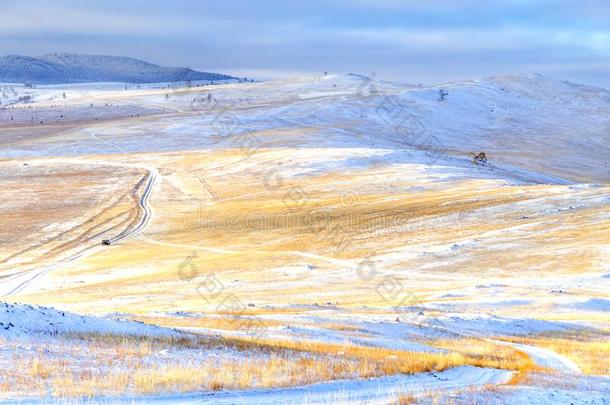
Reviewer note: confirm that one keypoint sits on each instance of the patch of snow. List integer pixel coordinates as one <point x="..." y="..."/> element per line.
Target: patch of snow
<point x="19" y="321"/>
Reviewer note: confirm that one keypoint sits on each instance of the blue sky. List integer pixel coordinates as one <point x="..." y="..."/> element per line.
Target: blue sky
<point x="408" y="40"/>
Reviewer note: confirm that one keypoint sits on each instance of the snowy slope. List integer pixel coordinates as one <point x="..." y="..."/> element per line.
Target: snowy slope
<point x="533" y="129"/>
<point x="19" y="321"/>
<point x="523" y="121"/>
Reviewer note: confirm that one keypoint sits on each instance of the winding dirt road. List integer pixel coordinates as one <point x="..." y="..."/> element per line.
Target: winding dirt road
<point x="16" y="284"/>
<point x="380" y="390"/>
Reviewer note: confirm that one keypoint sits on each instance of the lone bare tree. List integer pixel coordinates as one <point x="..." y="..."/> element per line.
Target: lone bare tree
<point x="479" y="159"/>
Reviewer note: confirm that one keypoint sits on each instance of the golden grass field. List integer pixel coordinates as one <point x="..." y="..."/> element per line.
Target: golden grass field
<point x="285" y="238"/>
<point x="589" y="351"/>
<point x="264" y="238"/>
<point x="128" y="365"/>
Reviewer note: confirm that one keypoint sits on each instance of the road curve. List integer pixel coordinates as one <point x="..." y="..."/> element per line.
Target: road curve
<point x="544" y="357"/>
<point x="15" y="284"/>
<point x="143" y="202"/>
<point x="372" y="390"/>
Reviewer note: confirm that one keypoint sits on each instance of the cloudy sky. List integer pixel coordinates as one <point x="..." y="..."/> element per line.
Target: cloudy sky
<point x="405" y="40"/>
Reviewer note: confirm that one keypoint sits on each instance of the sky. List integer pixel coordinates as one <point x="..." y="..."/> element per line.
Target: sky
<point x="403" y="40"/>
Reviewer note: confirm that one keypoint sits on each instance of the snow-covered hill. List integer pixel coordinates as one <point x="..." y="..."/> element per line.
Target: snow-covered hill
<point x="20" y="321"/>
<point x="73" y="68"/>
<point x="532" y="128"/>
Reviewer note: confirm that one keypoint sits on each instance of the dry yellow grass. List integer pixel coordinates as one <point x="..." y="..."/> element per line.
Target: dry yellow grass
<point x="432" y="232"/>
<point x="38" y="369"/>
<point x="226" y="322"/>
<point x="406" y="399"/>
<point x="51" y="229"/>
<point x="589" y="350"/>
<point x="339" y="326"/>
<point x="254" y="260"/>
<point x="493" y="355"/>
<point x="234" y="322"/>
<point x="110" y="365"/>
<point x="250" y="256"/>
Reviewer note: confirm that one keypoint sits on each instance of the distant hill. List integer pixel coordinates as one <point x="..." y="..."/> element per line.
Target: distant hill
<point x="73" y="68"/>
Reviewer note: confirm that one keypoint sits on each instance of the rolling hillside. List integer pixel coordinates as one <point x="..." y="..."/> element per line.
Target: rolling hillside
<point x="72" y="68"/>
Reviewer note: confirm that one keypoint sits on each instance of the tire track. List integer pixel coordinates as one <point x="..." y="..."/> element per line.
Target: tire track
<point x="66" y="232"/>
<point x="31" y="276"/>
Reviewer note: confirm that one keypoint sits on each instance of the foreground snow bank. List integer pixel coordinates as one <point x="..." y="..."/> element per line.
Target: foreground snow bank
<point x="376" y="390"/>
<point x="542" y="389"/>
<point x="26" y="320"/>
<point x="371" y="391"/>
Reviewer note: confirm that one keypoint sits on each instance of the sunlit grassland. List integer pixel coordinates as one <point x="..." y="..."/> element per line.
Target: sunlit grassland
<point x="256" y="240"/>
<point x="505" y="356"/>
<point x="278" y="257"/>
<point x="589" y="350"/>
<point x="106" y="364"/>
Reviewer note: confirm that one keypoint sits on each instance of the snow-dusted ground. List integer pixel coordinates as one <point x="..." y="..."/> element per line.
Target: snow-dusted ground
<point x="535" y="131"/>
<point x="26" y="329"/>
<point x="526" y="123"/>
<point x="542" y="389"/>
<point x="19" y="321"/>
<point x="523" y="114"/>
<point x="371" y="391"/>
